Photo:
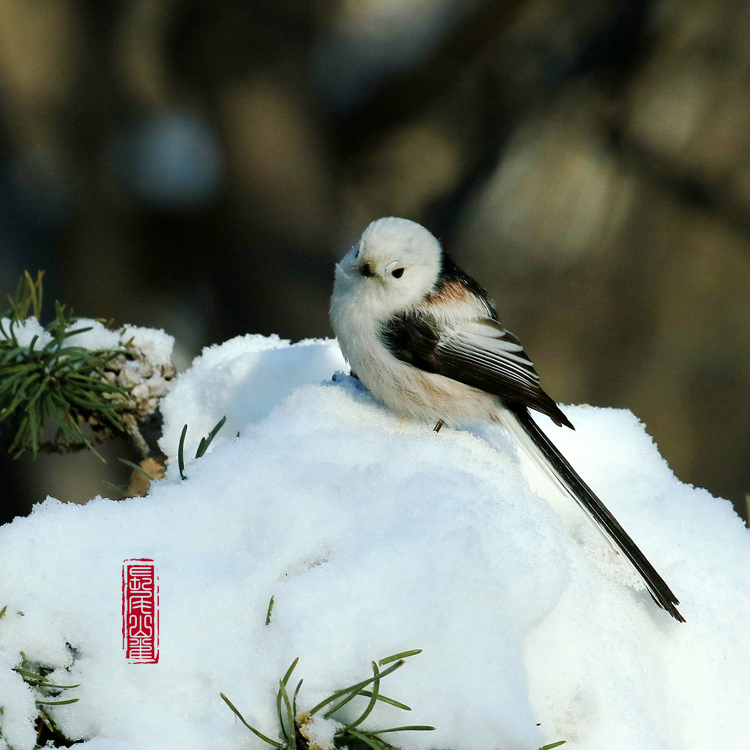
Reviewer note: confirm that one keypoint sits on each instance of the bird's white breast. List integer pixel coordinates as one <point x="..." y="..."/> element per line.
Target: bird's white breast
<point x="406" y="389"/>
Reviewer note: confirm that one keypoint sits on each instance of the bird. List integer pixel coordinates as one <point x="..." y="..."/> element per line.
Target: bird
<point x="425" y="339"/>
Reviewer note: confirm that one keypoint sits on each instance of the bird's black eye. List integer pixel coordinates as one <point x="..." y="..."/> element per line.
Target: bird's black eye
<point x="397" y="272"/>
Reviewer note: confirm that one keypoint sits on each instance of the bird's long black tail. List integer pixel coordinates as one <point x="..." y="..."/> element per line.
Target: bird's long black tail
<point x="541" y="449"/>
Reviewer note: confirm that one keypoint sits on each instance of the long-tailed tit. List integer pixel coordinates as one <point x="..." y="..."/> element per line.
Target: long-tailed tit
<point x="424" y="338"/>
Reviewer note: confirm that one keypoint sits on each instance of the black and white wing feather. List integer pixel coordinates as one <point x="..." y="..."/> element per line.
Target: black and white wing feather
<point x="479" y="352"/>
<point x="483" y="354"/>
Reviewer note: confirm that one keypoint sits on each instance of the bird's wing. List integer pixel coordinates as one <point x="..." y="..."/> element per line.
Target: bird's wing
<point x="479" y="352"/>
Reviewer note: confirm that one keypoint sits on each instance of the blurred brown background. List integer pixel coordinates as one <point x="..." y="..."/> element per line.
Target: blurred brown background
<point x="199" y="166"/>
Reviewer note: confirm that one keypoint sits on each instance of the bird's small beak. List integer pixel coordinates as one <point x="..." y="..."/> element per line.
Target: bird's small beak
<point x="366" y="270"/>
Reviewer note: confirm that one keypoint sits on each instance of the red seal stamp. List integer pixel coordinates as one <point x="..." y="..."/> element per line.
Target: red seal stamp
<point x="140" y="611"/>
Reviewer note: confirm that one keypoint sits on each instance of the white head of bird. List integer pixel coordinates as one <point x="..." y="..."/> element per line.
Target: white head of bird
<point x="392" y="267"/>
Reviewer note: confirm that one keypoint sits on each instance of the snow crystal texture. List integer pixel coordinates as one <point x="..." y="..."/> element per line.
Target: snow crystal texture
<point x="376" y="535"/>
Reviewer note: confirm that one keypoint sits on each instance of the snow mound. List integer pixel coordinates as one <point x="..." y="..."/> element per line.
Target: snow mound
<point x="243" y="380"/>
<point x="376" y="535"/>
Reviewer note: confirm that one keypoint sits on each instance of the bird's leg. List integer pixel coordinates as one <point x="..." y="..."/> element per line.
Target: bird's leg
<point x="438" y="425"/>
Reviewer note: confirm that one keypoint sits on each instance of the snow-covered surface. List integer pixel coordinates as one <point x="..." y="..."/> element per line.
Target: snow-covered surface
<point x="25" y="332"/>
<point x="376" y="535"/>
<point x="242" y="379"/>
<point x="155" y="344"/>
<point x="319" y="732"/>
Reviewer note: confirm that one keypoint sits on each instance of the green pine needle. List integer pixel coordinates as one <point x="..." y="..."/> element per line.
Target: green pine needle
<point x="346" y="736"/>
<point x="28" y="297"/>
<point x="351" y="692"/>
<point x="415" y="728"/>
<point x="402" y="655"/>
<point x="292" y="730"/>
<point x="57" y="703"/>
<point x="181" y="453"/>
<point x="203" y="446"/>
<point x="371" y="704"/>
<point x="206" y="441"/>
<point x="370" y="741"/>
<point x="46" y="693"/>
<point x="252" y="729"/>
<point x="383" y="698"/>
<point x="136" y="467"/>
<point x="53" y="389"/>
